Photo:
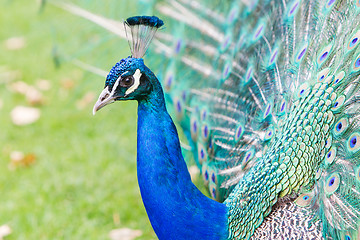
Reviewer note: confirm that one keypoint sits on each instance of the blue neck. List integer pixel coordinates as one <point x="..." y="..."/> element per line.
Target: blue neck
<point x="176" y="208"/>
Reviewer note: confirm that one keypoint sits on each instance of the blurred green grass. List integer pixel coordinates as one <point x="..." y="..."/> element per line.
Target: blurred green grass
<point x="84" y="173"/>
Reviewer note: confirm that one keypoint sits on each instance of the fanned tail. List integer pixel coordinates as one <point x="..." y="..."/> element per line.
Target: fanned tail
<point x="269" y="56"/>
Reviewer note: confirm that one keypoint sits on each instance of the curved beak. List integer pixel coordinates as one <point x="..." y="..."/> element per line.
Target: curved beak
<point x="105" y="98"/>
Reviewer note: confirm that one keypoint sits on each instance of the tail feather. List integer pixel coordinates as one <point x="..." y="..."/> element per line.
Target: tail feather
<point x="108" y="24"/>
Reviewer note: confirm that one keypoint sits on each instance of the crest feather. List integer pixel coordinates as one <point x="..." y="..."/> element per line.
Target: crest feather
<point x="140" y="30"/>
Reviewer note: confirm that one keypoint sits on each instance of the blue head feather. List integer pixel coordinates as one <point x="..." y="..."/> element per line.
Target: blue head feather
<point x="130" y="79"/>
<point x="118" y="69"/>
<point x="124" y="67"/>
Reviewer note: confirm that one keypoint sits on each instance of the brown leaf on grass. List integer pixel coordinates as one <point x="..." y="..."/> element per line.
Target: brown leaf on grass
<point x="33" y="96"/>
<point x="19" y="87"/>
<point x="86" y="100"/>
<point x="19" y="159"/>
<point x="7" y="75"/>
<point x="43" y="85"/>
<point x="5" y="230"/>
<point x="124" y="234"/>
<point x="116" y="219"/>
<point x="22" y="115"/>
<point x="67" y="83"/>
<point x="15" y="43"/>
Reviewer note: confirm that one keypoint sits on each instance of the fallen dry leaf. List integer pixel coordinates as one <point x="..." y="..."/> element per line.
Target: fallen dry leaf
<point x="19" y="159"/>
<point x="116" y="219"/>
<point x="43" y="85"/>
<point x="33" y="96"/>
<point x="19" y="87"/>
<point x="7" y="75"/>
<point x="22" y="115"/>
<point x="67" y="83"/>
<point x="87" y="99"/>
<point x="5" y="230"/>
<point x="124" y="234"/>
<point x="15" y="43"/>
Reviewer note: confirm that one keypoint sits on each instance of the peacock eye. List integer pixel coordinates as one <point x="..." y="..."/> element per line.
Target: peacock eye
<point x="127" y="82"/>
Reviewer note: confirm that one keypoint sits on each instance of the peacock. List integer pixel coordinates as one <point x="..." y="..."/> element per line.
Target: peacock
<point x="267" y="94"/>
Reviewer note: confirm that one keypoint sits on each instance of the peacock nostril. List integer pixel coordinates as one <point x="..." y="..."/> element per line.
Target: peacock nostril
<point x="104" y="97"/>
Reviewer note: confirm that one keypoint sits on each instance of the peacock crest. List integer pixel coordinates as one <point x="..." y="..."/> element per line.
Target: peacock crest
<point x="140" y="30"/>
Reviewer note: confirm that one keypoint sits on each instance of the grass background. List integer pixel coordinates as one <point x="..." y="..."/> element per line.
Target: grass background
<point x="83" y="181"/>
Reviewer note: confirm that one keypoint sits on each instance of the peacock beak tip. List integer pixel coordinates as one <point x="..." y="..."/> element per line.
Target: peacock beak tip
<point x="105" y="98"/>
<point x="95" y="109"/>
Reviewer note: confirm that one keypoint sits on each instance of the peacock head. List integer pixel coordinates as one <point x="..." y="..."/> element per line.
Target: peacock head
<point x="130" y="79"/>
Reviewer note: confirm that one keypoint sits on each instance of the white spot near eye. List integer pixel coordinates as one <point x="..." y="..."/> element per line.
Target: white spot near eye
<point x="136" y="84"/>
<point x="115" y="86"/>
<point x="117" y="83"/>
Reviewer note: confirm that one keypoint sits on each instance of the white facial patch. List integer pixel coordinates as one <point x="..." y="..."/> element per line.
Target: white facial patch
<point x="136" y="84"/>
<point x="116" y="84"/>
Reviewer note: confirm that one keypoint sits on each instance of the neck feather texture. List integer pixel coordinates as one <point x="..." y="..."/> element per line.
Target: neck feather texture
<point x="176" y="208"/>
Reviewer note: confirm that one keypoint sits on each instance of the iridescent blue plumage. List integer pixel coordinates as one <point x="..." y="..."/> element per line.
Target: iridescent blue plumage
<point x="165" y="183"/>
<point x="118" y="69"/>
